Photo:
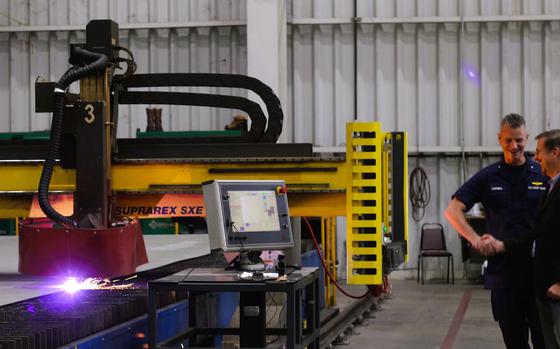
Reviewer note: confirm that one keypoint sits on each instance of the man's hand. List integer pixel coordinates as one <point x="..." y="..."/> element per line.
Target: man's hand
<point x="487" y="245"/>
<point x="554" y="291"/>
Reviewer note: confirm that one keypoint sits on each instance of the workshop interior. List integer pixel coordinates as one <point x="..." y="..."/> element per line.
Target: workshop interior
<point x="244" y="173"/>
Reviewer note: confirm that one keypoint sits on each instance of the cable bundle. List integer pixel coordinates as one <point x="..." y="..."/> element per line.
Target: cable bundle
<point x="99" y="61"/>
<point x="420" y="192"/>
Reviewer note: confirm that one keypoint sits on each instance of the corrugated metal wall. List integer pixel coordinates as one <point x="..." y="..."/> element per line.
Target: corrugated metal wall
<point x="426" y="76"/>
<point x="443" y="70"/>
<point x="215" y="47"/>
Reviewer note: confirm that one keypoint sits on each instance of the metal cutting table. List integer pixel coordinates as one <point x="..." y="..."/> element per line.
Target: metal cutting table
<point x="162" y="250"/>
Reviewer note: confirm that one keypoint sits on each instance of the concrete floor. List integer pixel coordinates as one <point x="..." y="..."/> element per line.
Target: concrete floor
<point x="421" y="317"/>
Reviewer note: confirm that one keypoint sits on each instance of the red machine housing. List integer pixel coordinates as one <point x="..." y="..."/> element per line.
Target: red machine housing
<point x="80" y="252"/>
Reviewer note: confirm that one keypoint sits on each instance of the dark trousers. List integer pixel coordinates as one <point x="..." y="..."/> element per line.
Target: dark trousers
<point x="549" y="312"/>
<point x="515" y="310"/>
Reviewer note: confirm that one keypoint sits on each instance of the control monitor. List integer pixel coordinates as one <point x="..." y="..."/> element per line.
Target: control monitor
<point x="247" y="216"/>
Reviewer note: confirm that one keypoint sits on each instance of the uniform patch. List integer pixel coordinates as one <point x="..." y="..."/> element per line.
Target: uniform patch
<point x="537" y="186"/>
<point x="534" y="187"/>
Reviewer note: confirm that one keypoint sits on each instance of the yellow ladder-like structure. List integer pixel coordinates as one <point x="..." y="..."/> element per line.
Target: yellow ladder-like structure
<point x="364" y="235"/>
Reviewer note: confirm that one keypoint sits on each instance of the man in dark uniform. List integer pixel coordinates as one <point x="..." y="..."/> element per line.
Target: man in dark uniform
<point x="509" y="190"/>
<point x="546" y="238"/>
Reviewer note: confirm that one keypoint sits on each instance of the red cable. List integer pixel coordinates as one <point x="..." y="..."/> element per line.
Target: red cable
<point x="316" y="244"/>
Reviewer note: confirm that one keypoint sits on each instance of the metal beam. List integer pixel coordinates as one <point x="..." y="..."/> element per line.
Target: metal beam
<point x="428" y="150"/>
<point x="313" y="176"/>
<point x="129" y="26"/>
<point x="296" y="21"/>
<point x="293" y="255"/>
<point x="426" y="20"/>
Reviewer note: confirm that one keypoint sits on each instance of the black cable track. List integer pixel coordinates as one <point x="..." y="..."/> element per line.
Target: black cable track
<point x="275" y="114"/>
<point x="258" y="120"/>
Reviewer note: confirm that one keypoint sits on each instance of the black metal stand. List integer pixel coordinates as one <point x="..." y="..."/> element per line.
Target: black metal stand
<point x="302" y="301"/>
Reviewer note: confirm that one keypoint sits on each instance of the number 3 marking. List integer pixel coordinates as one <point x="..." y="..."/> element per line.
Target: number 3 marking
<point x="90" y="117"/>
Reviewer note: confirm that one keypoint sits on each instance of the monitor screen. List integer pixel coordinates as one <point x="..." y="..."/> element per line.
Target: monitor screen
<point x="254" y="211"/>
<point x="247" y="215"/>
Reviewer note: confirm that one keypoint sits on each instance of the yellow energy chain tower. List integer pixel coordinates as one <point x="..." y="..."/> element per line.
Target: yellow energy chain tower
<point x="364" y="234"/>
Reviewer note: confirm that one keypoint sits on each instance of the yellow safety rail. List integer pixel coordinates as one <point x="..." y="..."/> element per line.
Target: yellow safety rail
<point x="364" y="142"/>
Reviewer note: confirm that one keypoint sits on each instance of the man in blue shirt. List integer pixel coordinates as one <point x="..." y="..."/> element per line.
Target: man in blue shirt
<point x="546" y="238"/>
<point x="509" y="190"/>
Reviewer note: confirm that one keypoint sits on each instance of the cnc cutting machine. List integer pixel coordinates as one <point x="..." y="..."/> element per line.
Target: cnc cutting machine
<point x="90" y="186"/>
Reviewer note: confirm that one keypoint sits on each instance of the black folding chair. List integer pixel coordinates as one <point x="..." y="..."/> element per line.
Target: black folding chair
<point x="432" y="244"/>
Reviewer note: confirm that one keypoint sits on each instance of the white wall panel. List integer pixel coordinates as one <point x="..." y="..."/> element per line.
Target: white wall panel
<point x="491" y="107"/>
<point x="469" y="72"/>
<point x="323" y="84"/>
<point x="5" y="69"/>
<point x="19" y="76"/>
<point x="386" y="82"/>
<point x="344" y="91"/>
<point x="447" y="84"/>
<point x="552" y="76"/>
<point x="428" y="88"/>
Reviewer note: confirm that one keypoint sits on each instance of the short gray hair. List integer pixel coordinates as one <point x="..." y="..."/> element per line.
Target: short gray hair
<point x="551" y="139"/>
<point x="513" y="121"/>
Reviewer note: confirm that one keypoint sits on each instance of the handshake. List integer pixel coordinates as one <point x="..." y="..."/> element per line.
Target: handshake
<point x="487" y="245"/>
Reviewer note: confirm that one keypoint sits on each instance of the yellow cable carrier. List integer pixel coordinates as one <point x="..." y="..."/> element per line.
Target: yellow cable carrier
<point x="364" y="235"/>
